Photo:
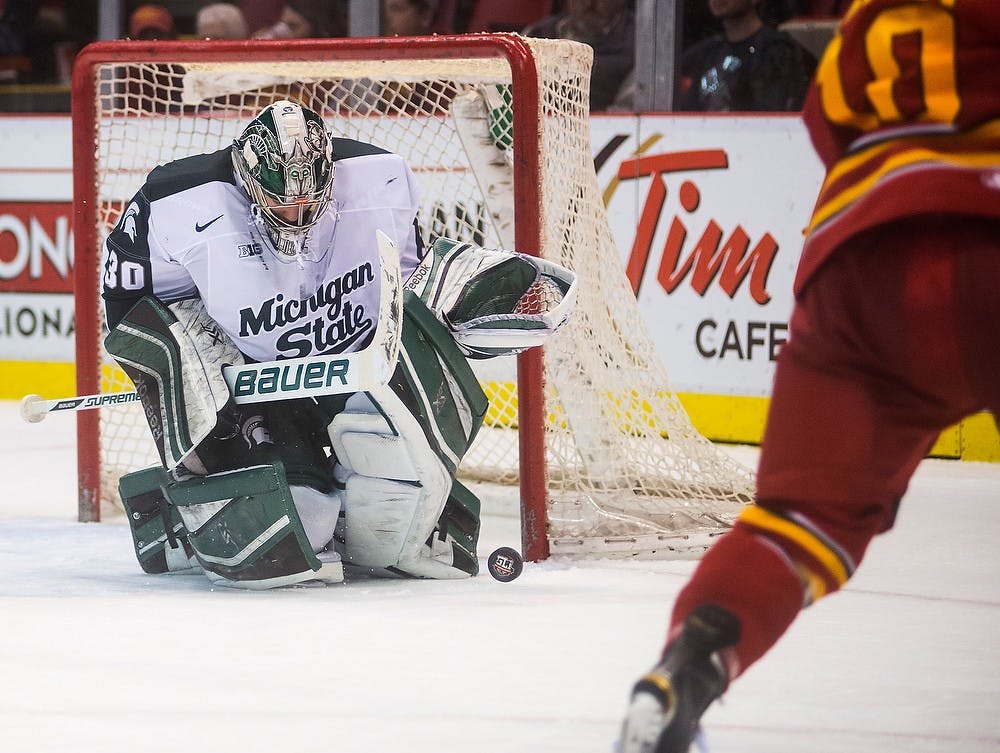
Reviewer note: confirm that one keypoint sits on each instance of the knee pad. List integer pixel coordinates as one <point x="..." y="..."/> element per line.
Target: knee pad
<point x="246" y="532"/>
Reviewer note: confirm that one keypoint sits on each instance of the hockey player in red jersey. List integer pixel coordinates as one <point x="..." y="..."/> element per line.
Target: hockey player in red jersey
<point x="894" y="337"/>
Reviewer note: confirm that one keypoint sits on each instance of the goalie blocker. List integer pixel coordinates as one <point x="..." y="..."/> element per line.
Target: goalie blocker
<point x="395" y="449"/>
<point x="174" y="355"/>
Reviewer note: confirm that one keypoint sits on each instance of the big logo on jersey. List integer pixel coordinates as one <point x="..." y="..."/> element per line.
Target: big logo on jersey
<point x="326" y="322"/>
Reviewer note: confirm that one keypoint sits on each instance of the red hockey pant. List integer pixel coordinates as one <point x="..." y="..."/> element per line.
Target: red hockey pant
<point x="894" y="339"/>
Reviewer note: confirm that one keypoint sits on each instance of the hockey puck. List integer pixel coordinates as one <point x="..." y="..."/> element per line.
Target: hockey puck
<point x="505" y="564"/>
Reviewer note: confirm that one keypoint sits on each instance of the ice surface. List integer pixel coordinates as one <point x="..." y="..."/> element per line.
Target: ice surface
<point x="97" y="656"/>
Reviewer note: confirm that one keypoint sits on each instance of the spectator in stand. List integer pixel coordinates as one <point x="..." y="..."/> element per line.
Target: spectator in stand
<point x="151" y="22"/>
<point x="699" y="23"/>
<point x="408" y="18"/>
<point x="221" y="21"/>
<point x="14" y="60"/>
<point x="461" y="14"/>
<point x="609" y="27"/>
<point x="302" y="19"/>
<point x="261" y="13"/>
<point x="153" y="88"/>
<point x="491" y="17"/>
<point x="52" y="41"/>
<point x="750" y="66"/>
<point x="444" y="18"/>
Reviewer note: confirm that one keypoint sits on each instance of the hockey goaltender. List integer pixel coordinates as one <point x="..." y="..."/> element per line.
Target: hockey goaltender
<point x="288" y="248"/>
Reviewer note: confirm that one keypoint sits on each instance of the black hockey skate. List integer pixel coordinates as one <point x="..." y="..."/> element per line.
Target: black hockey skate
<point x="668" y="702"/>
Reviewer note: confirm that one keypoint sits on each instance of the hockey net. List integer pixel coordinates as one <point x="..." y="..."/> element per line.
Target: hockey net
<point x="495" y="128"/>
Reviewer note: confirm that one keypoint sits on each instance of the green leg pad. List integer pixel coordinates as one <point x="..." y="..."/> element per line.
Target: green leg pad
<point x="161" y="542"/>
<point x="244" y="528"/>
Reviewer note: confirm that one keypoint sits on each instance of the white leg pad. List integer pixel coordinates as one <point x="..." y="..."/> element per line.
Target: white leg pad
<point x="380" y="515"/>
<point x="396" y="486"/>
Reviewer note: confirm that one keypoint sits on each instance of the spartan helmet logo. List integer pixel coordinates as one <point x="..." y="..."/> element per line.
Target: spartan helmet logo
<point x="316" y="136"/>
<point x="284" y="160"/>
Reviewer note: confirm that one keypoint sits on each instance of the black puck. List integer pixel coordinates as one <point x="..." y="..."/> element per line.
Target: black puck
<point x="505" y="564"/>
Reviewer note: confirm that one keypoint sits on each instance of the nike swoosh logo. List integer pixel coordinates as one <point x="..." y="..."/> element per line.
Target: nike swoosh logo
<point x="198" y="228"/>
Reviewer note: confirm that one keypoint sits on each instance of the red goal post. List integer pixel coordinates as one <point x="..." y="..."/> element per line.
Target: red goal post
<point x="603" y="453"/>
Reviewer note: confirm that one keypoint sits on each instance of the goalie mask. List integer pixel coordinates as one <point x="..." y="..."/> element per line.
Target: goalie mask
<point x="284" y="161"/>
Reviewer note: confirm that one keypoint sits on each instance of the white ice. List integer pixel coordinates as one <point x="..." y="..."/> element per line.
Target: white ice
<point x="97" y="656"/>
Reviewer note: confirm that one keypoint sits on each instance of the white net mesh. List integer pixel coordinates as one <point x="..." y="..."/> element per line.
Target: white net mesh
<point x="626" y="469"/>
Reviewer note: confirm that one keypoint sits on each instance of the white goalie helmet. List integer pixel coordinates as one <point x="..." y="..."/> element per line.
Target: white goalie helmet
<point x="284" y="161"/>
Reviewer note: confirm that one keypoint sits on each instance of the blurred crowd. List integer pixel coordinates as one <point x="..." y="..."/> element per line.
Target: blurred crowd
<point x="737" y="54"/>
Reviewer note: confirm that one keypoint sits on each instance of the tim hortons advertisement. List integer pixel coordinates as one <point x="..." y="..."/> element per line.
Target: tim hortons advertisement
<point x="708" y="215"/>
<point x="36" y="282"/>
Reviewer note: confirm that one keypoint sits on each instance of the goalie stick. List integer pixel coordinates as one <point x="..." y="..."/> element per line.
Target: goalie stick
<point x="471" y="114"/>
<point x="342" y="373"/>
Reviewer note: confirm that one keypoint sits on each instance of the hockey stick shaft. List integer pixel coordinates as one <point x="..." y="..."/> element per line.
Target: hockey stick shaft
<point x="250" y="383"/>
<point x="315" y="376"/>
<point x="35" y="408"/>
<point x="470" y="113"/>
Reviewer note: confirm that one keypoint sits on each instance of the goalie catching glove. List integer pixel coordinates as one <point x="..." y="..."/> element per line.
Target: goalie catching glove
<point x="493" y="302"/>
